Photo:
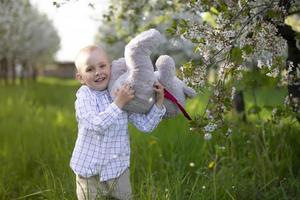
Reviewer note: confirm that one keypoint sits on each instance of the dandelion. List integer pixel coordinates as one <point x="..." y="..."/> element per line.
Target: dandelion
<point x="211" y="165"/>
<point x="152" y="142"/>
<point x="203" y="187"/>
<point x="192" y="164"/>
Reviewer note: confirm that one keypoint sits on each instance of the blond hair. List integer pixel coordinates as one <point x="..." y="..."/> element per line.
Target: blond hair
<point x="84" y="52"/>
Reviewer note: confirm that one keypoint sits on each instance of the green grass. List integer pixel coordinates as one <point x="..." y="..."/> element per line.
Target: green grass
<point x="38" y="131"/>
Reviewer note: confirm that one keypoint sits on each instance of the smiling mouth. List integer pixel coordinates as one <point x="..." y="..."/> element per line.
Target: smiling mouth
<point x="100" y="79"/>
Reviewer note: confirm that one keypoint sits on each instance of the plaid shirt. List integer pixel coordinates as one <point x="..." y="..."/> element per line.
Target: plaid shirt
<point x="102" y="146"/>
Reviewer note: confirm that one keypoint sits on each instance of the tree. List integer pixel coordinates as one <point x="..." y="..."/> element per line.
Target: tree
<point x="27" y="38"/>
<point x="230" y="34"/>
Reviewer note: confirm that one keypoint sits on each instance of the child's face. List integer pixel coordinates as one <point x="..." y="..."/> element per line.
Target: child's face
<point x="94" y="70"/>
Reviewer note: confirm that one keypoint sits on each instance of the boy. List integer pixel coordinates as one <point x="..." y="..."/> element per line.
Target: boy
<point x="101" y="155"/>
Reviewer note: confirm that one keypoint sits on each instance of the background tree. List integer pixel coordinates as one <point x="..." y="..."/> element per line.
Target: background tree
<point x="28" y="39"/>
<point x="127" y="18"/>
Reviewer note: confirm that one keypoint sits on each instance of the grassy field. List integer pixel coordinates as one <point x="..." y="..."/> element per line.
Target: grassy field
<point x="38" y="131"/>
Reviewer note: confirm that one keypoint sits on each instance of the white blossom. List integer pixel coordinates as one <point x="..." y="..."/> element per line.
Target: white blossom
<point x="274" y="73"/>
<point x="207" y="136"/>
<point x="210" y="127"/>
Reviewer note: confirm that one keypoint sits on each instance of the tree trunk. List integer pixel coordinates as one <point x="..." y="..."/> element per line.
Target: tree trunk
<point x="34" y="73"/>
<point x="22" y="75"/>
<point x="292" y="65"/>
<point x="1" y="71"/>
<point x="238" y="105"/>
<point x="4" y="70"/>
<point x="293" y="60"/>
<point x="13" y="72"/>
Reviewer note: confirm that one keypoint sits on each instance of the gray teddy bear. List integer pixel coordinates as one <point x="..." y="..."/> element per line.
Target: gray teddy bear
<point x="137" y="69"/>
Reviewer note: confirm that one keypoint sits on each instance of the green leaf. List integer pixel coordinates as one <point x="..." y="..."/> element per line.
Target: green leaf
<point x="248" y="49"/>
<point x="174" y="24"/>
<point x="213" y="10"/>
<point x="194" y="40"/>
<point x="197" y="49"/>
<point x="236" y="55"/>
<point x="183" y="31"/>
<point x="183" y="23"/>
<point x="171" y="31"/>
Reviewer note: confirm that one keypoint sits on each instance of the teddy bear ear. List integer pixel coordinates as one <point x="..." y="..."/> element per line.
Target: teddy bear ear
<point x="165" y="62"/>
<point x="166" y="66"/>
<point x="165" y="70"/>
<point x="189" y="92"/>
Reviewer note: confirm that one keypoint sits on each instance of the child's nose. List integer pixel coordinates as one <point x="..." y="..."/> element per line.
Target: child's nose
<point x="98" y="71"/>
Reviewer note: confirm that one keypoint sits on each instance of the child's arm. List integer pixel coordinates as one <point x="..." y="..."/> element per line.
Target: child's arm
<point x="89" y="118"/>
<point x="159" y="89"/>
<point x="148" y="122"/>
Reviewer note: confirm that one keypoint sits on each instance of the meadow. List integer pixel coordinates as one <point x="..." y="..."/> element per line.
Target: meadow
<point x="38" y="131"/>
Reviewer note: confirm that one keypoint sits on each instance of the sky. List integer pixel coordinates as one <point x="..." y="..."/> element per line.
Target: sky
<point x="75" y="22"/>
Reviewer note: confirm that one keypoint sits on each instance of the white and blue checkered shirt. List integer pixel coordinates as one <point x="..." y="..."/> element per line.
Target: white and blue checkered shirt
<point x="102" y="146"/>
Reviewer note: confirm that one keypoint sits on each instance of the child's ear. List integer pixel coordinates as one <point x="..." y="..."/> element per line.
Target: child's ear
<point x="79" y="78"/>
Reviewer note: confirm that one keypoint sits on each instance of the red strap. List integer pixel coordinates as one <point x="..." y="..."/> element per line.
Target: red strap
<point x="170" y="97"/>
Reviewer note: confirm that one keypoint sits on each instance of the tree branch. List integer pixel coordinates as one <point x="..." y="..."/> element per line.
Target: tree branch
<point x="294" y="12"/>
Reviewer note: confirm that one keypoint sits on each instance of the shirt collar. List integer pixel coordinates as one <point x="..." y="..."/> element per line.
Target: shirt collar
<point x="99" y="92"/>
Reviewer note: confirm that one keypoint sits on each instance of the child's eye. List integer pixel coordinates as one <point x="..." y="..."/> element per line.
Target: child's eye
<point x="103" y="65"/>
<point x="89" y="69"/>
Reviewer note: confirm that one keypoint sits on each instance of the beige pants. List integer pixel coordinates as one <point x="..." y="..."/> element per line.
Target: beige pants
<point x="91" y="188"/>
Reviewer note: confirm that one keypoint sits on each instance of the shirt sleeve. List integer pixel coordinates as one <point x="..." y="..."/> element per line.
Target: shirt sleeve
<point x="147" y="122"/>
<point x="87" y="115"/>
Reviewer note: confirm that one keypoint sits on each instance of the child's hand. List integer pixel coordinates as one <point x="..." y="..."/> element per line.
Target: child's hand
<point x="159" y="89"/>
<point x="124" y="95"/>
